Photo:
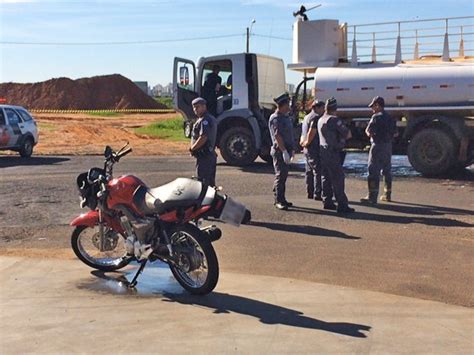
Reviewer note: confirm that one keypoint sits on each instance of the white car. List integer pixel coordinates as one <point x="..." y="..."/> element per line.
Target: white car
<point x="18" y="130"/>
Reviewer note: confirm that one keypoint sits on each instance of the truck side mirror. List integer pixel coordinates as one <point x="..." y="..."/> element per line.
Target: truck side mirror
<point x="184" y="76"/>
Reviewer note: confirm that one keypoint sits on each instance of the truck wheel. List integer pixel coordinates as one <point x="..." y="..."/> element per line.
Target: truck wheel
<point x="26" y="149"/>
<point x="432" y="151"/>
<point x="237" y="146"/>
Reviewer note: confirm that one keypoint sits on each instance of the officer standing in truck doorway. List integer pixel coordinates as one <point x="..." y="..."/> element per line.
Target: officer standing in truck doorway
<point x="281" y="132"/>
<point x="211" y="88"/>
<point x="332" y="136"/>
<point x="381" y="130"/>
<point x="310" y="143"/>
<point x="203" y="142"/>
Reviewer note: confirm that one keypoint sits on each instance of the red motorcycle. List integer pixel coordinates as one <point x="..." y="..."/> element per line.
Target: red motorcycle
<point x="129" y="221"/>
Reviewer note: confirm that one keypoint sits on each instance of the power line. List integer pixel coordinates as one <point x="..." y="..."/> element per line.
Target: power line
<point x="272" y="37"/>
<point x="121" y="43"/>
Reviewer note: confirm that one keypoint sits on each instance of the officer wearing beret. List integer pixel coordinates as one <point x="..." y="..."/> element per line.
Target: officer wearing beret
<point x="381" y="130"/>
<point x="332" y="135"/>
<point x="281" y="132"/>
<point x="310" y="143"/>
<point x="203" y="142"/>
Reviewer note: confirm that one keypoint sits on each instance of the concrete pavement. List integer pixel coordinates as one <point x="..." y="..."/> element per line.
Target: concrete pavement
<point x="59" y="306"/>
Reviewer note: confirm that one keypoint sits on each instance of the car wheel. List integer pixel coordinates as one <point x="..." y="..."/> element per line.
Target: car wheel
<point x="26" y="149"/>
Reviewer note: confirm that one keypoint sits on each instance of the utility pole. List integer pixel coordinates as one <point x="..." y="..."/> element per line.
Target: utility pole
<point x="249" y="32"/>
<point x="248" y="40"/>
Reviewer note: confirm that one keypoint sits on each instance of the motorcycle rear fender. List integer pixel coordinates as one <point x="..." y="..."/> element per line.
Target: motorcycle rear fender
<point x="91" y="219"/>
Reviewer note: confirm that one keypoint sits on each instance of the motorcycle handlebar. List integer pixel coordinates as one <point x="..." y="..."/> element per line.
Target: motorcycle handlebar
<point x="124" y="153"/>
<point x="112" y="157"/>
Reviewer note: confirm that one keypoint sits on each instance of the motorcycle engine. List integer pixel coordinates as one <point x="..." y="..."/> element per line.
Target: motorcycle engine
<point x="144" y="229"/>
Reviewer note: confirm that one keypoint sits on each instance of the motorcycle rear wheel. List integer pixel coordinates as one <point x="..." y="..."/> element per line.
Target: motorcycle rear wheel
<point x="85" y="244"/>
<point x="198" y="269"/>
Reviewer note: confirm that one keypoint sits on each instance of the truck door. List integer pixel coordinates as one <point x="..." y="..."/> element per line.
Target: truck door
<point x="184" y="86"/>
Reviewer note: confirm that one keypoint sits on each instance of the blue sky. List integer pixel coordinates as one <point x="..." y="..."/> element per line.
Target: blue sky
<point x="92" y="21"/>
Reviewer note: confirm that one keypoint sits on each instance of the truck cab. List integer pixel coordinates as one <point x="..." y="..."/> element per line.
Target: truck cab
<point x="243" y="103"/>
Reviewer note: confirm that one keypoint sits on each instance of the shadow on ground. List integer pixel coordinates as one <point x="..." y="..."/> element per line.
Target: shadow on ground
<point x="8" y="161"/>
<point x="217" y="302"/>
<point x="396" y="219"/>
<point x="311" y="230"/>
<point x="417" y="209"/>
<point x="267" y="313"/>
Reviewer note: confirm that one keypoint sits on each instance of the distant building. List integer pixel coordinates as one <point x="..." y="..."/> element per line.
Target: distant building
<point x="290" y="88"/>
<point x="143" y="85"/>
<point x="160" y="90"/>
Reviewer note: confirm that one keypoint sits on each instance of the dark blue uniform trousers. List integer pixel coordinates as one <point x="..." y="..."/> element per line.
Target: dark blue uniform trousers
<point x="281" y="174"/>
<point x="332" y="177"/>
<point x="313" y="174"/>
<point x="206" y="168"/>
<point x="380" y="160"/>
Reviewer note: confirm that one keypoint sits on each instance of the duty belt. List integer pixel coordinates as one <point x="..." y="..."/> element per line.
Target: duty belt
<point x="202" y="152"/>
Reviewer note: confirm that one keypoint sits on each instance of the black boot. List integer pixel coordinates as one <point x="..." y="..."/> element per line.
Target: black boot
<point x="387" y="192"/>
<point x="371" y="198"/>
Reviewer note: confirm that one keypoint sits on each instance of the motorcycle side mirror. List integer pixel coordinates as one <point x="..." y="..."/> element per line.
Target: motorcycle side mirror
<point x="108" y="152"/>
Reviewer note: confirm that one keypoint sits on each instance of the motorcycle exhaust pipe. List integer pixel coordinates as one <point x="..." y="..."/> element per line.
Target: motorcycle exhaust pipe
<point x="213" y="232"/>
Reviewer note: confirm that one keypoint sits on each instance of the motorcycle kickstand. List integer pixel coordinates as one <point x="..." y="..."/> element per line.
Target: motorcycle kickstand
<point x="133" y="283"/>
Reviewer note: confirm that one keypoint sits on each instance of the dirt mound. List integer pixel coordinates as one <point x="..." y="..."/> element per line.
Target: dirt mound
<point x="80" y="134"/>
<point x="109" y="92"/>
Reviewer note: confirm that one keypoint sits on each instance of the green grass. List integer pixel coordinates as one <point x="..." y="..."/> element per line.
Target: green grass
<point x="46" y="126"/>
<point x="104" y="114"/>
<point x="167" y="101"/>
<point x="171" y="129"/>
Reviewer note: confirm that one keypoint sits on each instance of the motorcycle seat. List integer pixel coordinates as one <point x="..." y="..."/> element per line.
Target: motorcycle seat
<point x="181" y="192"/>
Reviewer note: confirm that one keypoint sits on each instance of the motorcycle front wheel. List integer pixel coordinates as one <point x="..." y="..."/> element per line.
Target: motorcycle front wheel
<point x="105" y="254"/>
<point x="196" y="267"/>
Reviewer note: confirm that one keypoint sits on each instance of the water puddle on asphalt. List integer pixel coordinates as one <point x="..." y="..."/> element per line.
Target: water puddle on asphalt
<point x="156" y="279"/>
<point x="355" y="164"/>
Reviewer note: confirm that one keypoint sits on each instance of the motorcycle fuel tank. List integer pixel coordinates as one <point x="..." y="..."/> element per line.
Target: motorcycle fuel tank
<point x="121" y="191"/>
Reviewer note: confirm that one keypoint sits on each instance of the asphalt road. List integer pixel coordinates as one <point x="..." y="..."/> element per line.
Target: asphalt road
<point x="420" y="246"/>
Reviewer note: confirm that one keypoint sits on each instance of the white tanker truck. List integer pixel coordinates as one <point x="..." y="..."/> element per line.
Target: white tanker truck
<point x="431" y="97"/>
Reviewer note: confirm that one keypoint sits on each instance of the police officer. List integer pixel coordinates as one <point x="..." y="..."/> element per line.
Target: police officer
<point x="310" y="142"/>
<point x="281" y="132"/>
<point x="203" y="142"/>
<point x="381" y="130"/>
<point x="211" y="88"/>
<point x="332" y="135"/>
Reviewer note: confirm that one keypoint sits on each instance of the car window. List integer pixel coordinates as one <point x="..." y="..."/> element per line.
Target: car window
<point x="13" y="117"/>
<point x="2" y="118"/>
<point x="25" y="115"/>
